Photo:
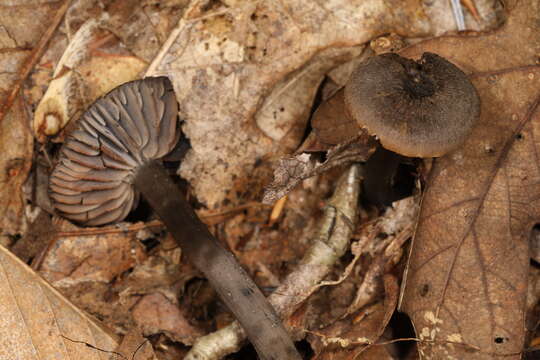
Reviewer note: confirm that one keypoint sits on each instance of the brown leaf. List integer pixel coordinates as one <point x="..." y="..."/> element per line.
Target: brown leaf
<point x="39" y="323"/>
<point x="347" y="339"/>
<point x="280" y="111"/>
<point x="135" y="347"/>
<point x="101" y="257"/>
<point x="467" y="275"/>
<point x="224" y="61"/>
<point x="154" y="313"/>
<point x="331" y="123"/>
<point x="16" y="148"/>
<point x="290" y="171"/>
<point x="22" y="29"/>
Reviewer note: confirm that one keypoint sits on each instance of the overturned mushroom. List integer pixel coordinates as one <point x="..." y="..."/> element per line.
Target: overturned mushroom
<point x="113" y="155"/>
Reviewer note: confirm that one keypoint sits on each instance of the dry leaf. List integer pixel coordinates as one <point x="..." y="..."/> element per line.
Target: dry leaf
<point x="346" y="338"/>
<point x="467" y="276"/>
<point x="155" y="314"/>
<point x="20" y="30"/>
<point x="16" y="144"/>
<point x="291" y="98"/>
<point x="135" y="347"/>
<point x="57" y="105"/>
<point x="78" y="258"/>
<point x="225" y="61"/>
<point x="292" y="170"/>
<point x="39" y="323"/>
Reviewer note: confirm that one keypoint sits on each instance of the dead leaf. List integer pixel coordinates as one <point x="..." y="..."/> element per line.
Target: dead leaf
<point x="480" y="227"/>
<point x="59" y="103"/>
<point x="21" y="28"/>
<point x="135" y="347"/>
<point x="39" y="323"/>
<point x="16" y="145"/>
<point x="35" y="240"/>
<point x="99" y="257"/>
<point x="467" y="275"/>
<point x="224" y="61"/>
<point x="331" y="124"/>
<point x="346" y="339"/>
<point x="154" y="313"/>
<point x="292" y="170"/>
<point x="290" y="99"/>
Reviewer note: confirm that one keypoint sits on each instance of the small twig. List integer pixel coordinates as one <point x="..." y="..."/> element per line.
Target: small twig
<point x="33" y="59"/>
<point x="208" y="218"/>
<point x="138" y="348"/>
<point x="93" y="347"/>
<point x="343" y="276"/>
<point x="111" y="230"/>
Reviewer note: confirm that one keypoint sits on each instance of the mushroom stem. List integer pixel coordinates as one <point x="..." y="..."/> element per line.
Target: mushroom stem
<point x="227" y="277"/>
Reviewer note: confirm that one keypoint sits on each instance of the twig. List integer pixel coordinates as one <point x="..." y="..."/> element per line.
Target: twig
<point x="33" y="58"/>
<point x="209" y="218"/>
<point x="93" y="347"/>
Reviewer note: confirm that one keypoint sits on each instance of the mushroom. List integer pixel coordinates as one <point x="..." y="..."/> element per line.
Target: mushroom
<point x="113" y="155"/>
<point x="423" y="108"/>
<point x="417" y="109"/>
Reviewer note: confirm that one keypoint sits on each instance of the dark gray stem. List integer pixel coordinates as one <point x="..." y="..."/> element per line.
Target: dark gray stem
<point x="237" y="290"/>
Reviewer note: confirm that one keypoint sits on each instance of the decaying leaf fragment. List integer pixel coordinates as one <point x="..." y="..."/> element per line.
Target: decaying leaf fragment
<point x="56" y="107"/>
<point x="347" y="338"/>
<point x="290" y="171"/>
<point x="16" y="148"/>
<point x="79" y="65"/>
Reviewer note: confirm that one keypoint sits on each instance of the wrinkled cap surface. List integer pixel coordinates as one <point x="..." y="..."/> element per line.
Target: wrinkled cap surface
<point x="92" y="184"/>
<point x="417" y="109"/>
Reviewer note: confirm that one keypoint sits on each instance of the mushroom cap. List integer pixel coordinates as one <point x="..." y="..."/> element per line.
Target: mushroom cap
<point x="417" y="109"/>
<point x="135" y="123"/>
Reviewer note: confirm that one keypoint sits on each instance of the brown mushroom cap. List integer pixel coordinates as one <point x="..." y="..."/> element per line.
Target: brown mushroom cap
<point x="417" y="109"/>
<point x="133" y="124"/>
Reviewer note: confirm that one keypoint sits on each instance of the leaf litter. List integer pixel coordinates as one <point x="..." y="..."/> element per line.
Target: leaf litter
<point x="247" y="74"/>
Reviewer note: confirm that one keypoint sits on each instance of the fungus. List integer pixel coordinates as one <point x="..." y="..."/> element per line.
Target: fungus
<point x="113" y="155"/>
<point x="423" y="108"/>
<point x="417" y="109"/>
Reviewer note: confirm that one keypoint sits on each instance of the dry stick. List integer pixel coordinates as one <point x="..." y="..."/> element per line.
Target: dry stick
<point x="33" y="58"/>
<point x="207" y="217"/>
<point x="330" y="243"/>
<point x="236" y="288"/>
